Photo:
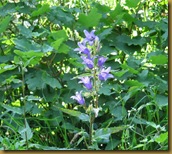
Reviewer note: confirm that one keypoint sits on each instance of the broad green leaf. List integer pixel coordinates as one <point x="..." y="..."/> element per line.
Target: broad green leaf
<point x="17" y="110"/>
<point x="26" y="45"/>
<point x="120" y="73"/>
<point x="161" y="100"/>
<point x="81" y="116"/>
<point x="56" y="44"/>
<point x="25" y="31"/>
<point x="59" y="34"/>
<point x="102" y="135"/>
<point x="4" y="23"/>
<point x="26" y="131"/>
<point x="134" y="83"/>
<point x="64" y="49"/>
<point x="130" y="69"/>
<point x="159" y="59"/>
<point x="105" y="89"/>
<point x="54" y="83"/>
<point x="132" y="41"/>
<point x="162" y="138"/>
<point x="34" y="80"/>
<point x="29" y="57"/>
<point x="90" y="20"/>
<point x="119" y="112"/>
<point x="111" y="145"/>
<point x="4" y="67"/>
<point x="43" y="9"/>
<point x="131" y="3"/>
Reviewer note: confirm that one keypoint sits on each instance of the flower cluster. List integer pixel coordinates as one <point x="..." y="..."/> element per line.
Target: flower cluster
<point x="88" y="49"/>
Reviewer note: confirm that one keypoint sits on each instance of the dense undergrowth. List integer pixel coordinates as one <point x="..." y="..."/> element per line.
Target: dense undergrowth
<point x="38" y="69"/>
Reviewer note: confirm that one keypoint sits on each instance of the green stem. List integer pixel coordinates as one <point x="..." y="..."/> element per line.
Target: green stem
<point x="24" y="105"/>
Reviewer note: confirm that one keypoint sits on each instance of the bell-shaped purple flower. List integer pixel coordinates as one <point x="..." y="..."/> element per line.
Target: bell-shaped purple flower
<point x="90" y="37"/>
<point x="101" y="61"/>
<point x="88" y="61"/>
<point x="78" y="97"/>
<point x="83" y="49"/>
<point x="104" y="74"/>
<point x="87" y="82"/>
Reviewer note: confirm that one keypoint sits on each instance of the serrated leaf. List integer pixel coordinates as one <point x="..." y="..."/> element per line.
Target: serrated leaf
<point x="90" y="20"/>
<point x="4" y="23"/>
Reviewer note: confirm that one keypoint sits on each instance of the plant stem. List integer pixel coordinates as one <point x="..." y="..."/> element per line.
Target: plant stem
<point x="24" y="107"/>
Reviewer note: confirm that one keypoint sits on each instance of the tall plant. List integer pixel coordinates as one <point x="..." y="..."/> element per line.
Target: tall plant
<point x="96" y="73"/>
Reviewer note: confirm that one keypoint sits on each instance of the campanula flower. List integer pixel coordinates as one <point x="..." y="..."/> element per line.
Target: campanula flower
<point x="83" y="49"/>
<point x="87" y="82"/>
<point x="90" y="37"/>
<point x="101" y="61"/>
<point x="78" y="97"/>
<point x="88" y="61"/>
<point x="104" y="74"/>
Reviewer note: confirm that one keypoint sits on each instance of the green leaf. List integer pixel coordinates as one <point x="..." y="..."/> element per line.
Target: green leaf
<point x="134" y="83"/>
<point x="130" y="69"/>
<point x="45" y="8"/>
<point x="102" y="135"/>
<point x="26" y="131"/>
<point x="4" y="23"/>
<point x="54" y="83"/>
<point x="59" y="34"/>
<point x="161" y="100"/>
<point x="162" y="138"/>
<point x="132" y="41"/>
<point x="120" y="73"/>
<point x="34" y="80"/>
<point x="159" y="59"/>
<point x="106" y="90"/>
<point x="4" y="67"/>
<point x="26" y="45"/>
<point x="131" y="3"/>
<point x="90" y="20"/>
<point x="56" y="44"/>
<point x="64" y="49"/>
<point x="29" y="57"/>
<point x="13" y="109"/>
<point x="25" y="31"/>
<point x="119" y="112"/>
<point x="81" y="116"/>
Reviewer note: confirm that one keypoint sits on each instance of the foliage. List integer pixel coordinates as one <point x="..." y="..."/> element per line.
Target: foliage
<point x="38" y="69"/>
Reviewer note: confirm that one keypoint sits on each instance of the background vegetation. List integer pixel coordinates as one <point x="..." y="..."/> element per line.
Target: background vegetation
<point x="38" y="61"/>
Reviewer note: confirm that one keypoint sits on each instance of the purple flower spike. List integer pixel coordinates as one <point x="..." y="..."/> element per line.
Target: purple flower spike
<point x="88" y="61"/>
<point x="90" y="37"/>
<point x="78" y="97"/>
<point x="101" y="61"/>
<point x="83" y="49"/>
<point x="87" y="82"/>
<point x="104" y="74"/>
